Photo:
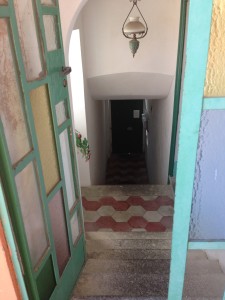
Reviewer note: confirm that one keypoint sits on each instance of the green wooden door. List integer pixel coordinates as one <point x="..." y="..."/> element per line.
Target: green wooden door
<point x="38" y="162"/>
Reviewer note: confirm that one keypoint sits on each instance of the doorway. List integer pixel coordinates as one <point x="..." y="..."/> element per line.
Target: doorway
<point x="127" y="128"/>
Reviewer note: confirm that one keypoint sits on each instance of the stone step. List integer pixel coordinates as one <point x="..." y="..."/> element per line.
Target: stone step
<point x="208" y="286"/>
<point x="127" y="190"/>
<point x="126" y="285"/>
<point x="202" y="266"/>
<point x="129" y="254"/>
<point x="100" y="245"/>
<point x="138" y="267"/>
<point x="147" y="266"/>
<point x="123" y="298"/>
<point x="128" y="236"/>
<point x="140" y="298"/>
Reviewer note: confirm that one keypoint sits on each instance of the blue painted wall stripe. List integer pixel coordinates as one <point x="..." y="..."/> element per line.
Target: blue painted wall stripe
<point x="206" y="245"/>
<point x="214" y="103"/>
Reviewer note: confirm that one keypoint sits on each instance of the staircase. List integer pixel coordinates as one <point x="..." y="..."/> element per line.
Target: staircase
<point x="135" y="265"/>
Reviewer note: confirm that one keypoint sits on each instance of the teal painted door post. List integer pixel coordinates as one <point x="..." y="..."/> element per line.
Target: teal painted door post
<point x="177" y="93"/>
<point x="199" y="22"/>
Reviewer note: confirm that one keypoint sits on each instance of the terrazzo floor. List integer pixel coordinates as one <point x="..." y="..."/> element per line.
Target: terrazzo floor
<point x="119" y="211"/>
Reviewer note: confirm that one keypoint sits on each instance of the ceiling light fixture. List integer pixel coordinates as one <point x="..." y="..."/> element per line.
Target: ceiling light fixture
<point x="134" y="29"/>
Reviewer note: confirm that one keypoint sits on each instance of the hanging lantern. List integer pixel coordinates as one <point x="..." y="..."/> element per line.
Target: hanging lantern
<point x="134" y="29"/>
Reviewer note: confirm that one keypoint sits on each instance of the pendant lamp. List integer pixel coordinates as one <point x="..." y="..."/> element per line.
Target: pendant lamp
<point x="134" y="29"/>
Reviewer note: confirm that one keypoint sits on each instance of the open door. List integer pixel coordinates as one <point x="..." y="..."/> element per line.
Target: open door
<point x="37" y="154"/>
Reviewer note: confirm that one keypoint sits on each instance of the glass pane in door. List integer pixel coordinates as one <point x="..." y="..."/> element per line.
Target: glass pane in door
<point x="11" y="105"/>
<point x="61" y="112"/>
<point x="75" y="226"/>
<point x="207" y="218"/>
<point x="67" y="167"/>
<point x="45" y="135"/>
<point x="31" y="207"/>
<point x="48" y="2"/>
<point x="58" y="222"/>
<point x="51" y="32"/>
<point x="31" y="44"/>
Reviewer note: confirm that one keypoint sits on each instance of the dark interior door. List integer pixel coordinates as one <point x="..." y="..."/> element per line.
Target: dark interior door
<point x="127" y="128"/>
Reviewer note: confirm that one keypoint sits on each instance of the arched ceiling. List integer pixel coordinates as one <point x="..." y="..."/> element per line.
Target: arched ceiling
<point x="130" y="85"/>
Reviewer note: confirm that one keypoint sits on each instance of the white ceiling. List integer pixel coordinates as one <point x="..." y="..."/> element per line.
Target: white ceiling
<point x="130" y="85"/>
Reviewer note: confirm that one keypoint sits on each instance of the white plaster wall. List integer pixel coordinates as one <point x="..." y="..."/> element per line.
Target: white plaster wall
<point x="78" y="100"/>
<point x="159" y="137"/>
<point x="96" y="138"/>
<point x="93" y="117"/>
<point x="69" y="11"/>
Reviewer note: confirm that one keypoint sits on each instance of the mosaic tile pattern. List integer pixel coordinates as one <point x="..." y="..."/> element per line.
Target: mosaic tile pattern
<point x="131" y="213"/>
<point x="126" y="169"/>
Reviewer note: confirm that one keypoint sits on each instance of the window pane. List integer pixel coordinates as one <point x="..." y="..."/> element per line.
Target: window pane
<point x="61" y="112"/>
<point x="75" y="226"/>
<point x="11" y="104"/>
<point x="67" y="167"/>
<point x="46" y="275"/>
<point x="29" y="39"/>
<point x="59" y="229"/>
<point x="207" y="218"/>
<point x="45" y="135"/>
<point x="48" y="2"/>
<point x="215" y="75"/>
<point x="31" y="207"/>
<point x="51" y="32"/>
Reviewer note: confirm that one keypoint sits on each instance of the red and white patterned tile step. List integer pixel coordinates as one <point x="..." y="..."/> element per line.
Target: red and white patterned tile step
<point x="132" y="213"/>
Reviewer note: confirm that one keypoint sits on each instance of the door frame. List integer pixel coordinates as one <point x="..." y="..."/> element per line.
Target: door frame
<point x="178" y="82"/>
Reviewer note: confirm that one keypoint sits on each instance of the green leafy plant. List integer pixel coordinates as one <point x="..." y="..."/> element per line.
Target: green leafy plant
<point x="83" y="146"/>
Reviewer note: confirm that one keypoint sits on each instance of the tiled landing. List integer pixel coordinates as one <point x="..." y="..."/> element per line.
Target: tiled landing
<point x="126" y="169"/>
<point x="144" y="208"/>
